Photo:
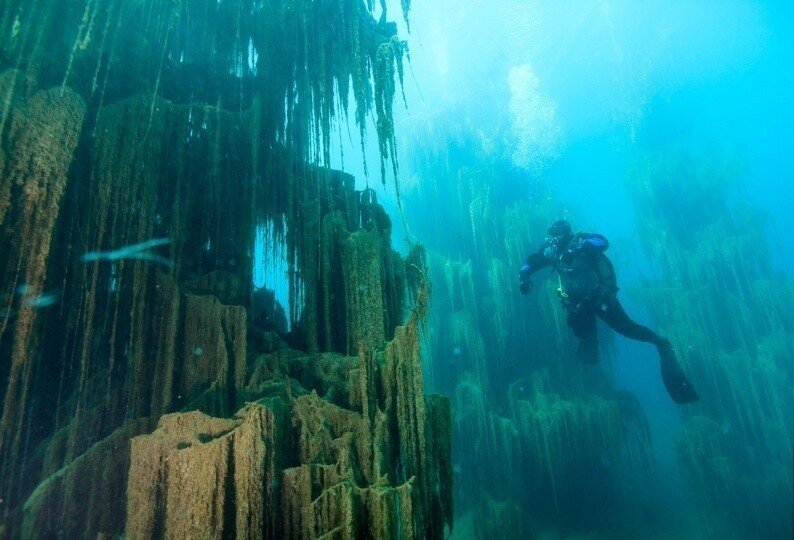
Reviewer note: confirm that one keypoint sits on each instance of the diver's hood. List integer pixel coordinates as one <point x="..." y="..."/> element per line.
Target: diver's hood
<point x="560" y="228"/>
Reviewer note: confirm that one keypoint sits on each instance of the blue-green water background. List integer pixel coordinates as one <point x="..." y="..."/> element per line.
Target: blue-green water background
<point x="625" y="77"/>
<point x="516" y="113"/>
<point x="621" y="79"/>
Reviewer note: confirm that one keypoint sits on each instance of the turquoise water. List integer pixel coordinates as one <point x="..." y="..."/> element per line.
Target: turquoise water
<point x="187" y="231"/>
<point x="561" y="104"/>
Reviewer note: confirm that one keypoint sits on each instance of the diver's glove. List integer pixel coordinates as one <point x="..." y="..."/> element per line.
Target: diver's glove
<point x="524" y="284"/>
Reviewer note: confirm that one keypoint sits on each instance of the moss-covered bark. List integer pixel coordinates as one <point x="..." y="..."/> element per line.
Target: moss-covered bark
<point x="43" y="133"/>
<point x="297" y="466"/>
<point x="185" y="127"/>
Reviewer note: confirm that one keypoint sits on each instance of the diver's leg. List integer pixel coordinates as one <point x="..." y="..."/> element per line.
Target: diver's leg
<point x="675" y="381"/>
<point x="616" y="317"/>
<point x="584" y="327"/>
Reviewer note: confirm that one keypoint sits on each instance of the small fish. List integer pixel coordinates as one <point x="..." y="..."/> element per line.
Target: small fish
<point x="32" y="300"/>
<point x="41" y="301"/>
<point x="135" y="251"/>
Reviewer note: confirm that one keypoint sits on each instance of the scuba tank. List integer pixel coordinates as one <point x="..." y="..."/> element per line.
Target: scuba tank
<point x="585" y="277"/>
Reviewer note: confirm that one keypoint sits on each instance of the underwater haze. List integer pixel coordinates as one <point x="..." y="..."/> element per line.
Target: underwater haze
<point x="468" y="269"/>
<point x="665" y="127"/>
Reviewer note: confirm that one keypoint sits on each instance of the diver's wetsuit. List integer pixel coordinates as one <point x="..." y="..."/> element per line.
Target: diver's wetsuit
<point x="588" y="289"/>
<point x="611" y="312"/>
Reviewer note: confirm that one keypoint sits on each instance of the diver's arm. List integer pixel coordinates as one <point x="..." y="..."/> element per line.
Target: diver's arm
<point x="536" y="261"/>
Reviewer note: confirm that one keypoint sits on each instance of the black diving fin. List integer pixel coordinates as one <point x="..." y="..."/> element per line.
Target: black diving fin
<point x="676" y="382"/>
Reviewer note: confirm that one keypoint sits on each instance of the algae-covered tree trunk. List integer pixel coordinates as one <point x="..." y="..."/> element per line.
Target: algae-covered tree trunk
<point x="142" y="146"/>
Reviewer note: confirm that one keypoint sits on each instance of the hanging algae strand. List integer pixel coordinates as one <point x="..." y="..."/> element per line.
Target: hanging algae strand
<point x="389" y="58"/>
<point x="330" y="51"/>
<point x="83" y="38"/>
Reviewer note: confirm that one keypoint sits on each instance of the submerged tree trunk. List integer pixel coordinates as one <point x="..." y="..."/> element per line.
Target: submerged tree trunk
<point x="143" y="146"/>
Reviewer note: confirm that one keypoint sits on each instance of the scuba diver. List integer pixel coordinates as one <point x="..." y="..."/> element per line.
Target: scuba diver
<point x="588" y="290"/>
